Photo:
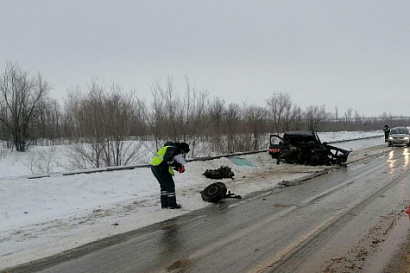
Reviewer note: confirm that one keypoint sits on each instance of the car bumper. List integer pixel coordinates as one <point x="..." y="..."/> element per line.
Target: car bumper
<point x="399" y="141"/>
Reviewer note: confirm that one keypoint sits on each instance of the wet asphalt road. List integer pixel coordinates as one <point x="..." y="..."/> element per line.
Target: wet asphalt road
<point x="349" y="219"/>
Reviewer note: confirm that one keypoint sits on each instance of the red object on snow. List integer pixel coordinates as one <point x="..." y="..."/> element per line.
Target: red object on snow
<point x="181" y="169"/>
<point x="407" y="210"/>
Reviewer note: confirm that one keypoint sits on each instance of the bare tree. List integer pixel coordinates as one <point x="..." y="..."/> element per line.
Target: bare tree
<point x="103" y="123"/>
<point x="336" y="113"/>
<point x="177" y="118"/>
<point x="140" y="123"/>
<point x="19" y="102"/>
<point x="119" y="149"/>
<point x="314" y="116"/>
<point x="279" y="104"/>
<point x="88" y="148"/>
<point x="387" y="118"/>
<point x="292" y="117"/>
<point x="195" y="124"/>
<point x="69" y="124"/>
<point x="155" y="119"/>
<point x="297" y="117"/>
<point x="166" y="112"/>
<point x="48" y="122"/>
<point x="349" y="115"/>
<point x="256" y="119"/>
<point x="232" y="125"/>
<point x="216" y="112"/>
<point x="357" y="121"/>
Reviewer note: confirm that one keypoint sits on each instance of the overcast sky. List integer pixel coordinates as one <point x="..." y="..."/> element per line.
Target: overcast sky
<point x="344" y="54"/>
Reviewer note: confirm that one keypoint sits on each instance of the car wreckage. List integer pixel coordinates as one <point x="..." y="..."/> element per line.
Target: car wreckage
<point x="305" y="147"/>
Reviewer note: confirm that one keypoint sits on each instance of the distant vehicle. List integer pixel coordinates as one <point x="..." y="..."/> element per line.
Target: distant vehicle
<point x="305" y="147"/>
<point x="399" y="136"/>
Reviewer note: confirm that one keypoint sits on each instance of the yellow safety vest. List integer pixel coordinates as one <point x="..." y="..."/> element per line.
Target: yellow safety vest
<point x="159" y="157"/>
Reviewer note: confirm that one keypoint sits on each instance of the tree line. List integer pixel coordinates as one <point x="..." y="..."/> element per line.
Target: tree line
<point x="104" y="122"/>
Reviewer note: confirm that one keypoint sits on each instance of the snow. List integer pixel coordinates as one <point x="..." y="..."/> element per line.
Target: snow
<point x="45" y="216"/>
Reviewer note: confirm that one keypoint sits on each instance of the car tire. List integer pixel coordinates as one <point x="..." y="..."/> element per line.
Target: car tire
<point x="214" y="192"/>
<point x="390" y="144"/>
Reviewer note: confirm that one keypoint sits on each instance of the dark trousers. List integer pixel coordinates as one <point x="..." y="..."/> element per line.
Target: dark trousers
<point x="167" y="186"/>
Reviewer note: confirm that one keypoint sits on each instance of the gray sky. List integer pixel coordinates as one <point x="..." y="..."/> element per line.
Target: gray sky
<point x="345" y="54"/>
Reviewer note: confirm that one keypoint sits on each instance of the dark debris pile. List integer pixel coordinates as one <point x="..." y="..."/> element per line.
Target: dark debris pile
<point x="222" y="172"/>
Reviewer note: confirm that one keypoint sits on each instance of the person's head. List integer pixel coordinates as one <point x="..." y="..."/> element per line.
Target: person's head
<point x="386" y="125"/>
<point x="184" y="147"/>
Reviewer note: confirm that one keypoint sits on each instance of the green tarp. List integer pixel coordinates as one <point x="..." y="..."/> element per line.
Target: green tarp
<point x="241" y="162"/>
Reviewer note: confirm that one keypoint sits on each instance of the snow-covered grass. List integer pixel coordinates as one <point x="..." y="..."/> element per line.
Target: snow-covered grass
<point x="42" y="217"/>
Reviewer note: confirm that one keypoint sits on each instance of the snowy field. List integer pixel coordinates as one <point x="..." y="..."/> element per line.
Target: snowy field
<point x="45" y="216"/>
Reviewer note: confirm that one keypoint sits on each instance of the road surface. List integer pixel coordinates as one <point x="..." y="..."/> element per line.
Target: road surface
<point x="346" y="220"/>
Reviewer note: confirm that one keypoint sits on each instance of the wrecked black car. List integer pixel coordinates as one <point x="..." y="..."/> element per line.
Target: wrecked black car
<point x="305" y="148"/>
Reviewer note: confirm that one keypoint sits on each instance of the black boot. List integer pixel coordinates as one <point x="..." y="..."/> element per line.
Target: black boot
<point x="172" y="201"/>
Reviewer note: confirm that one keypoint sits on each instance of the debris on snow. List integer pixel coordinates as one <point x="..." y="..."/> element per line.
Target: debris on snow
<point x="222" y="172"/>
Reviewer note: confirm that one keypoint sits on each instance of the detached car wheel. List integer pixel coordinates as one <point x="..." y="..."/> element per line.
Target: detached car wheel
<point x="214" y="192"/>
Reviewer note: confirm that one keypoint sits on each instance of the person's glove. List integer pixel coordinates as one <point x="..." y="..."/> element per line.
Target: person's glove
<point x="181" y="169"/>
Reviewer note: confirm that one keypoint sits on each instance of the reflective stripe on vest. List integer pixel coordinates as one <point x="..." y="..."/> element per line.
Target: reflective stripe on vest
<point x="159" y="157"/>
